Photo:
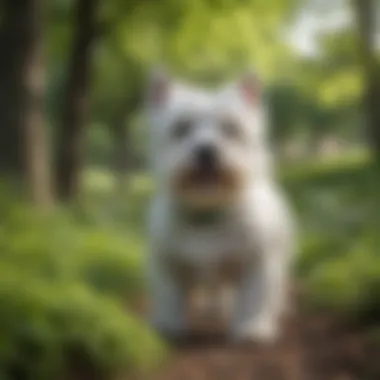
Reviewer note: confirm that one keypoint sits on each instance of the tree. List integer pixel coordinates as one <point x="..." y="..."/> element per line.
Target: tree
<point x="193" y="38"/>
<point x="365" y="18"/>
<point x="23" y="154"/>
<point x="72" y="131"/>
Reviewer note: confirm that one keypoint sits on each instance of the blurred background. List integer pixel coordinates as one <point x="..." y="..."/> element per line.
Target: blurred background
<point x="74" y="185"/>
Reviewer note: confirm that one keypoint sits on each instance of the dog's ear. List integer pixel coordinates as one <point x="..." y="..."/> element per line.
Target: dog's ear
<point x="159" y="84"/>
<point x="249" y="87"/>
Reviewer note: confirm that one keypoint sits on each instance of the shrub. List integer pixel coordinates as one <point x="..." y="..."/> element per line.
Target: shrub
<point x="48" y="329"/>
<point x="65" y="285"/>
<point x="339" y="263"/>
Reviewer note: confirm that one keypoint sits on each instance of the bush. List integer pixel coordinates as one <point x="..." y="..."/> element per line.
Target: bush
<point x="339" y="264"/>
<point x="57" y="246"/>
<point x="348" y="284"/>
<point x="49" y="329"/>
<point x="65" y="286"/>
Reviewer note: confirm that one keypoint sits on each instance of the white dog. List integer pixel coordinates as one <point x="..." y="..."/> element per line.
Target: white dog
<point x="218" y="216"/>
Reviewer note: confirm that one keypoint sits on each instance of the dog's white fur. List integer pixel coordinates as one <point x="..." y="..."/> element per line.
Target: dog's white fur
<point x="256" y="230"/>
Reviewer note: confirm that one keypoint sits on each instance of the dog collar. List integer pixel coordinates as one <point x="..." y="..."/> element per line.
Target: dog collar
<point x="202" y="217"/>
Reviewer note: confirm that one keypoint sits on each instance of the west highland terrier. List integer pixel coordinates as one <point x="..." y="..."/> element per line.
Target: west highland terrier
<point x="218" y="217"/>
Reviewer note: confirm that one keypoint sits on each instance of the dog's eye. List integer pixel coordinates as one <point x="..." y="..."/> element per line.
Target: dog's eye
<point x="230" y="128"/>
<point x="182" y="128"/>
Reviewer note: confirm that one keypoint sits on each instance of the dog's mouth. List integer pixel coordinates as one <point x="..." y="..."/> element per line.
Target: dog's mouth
<point x="205" y="177"/>
<point x="206" y="182"/>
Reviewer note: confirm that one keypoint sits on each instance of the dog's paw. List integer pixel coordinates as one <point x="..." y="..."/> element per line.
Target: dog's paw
<point x="260" y="331"/>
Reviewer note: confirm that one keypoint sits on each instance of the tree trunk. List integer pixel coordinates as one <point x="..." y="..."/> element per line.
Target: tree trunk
<point x="23" y="151"/>
<point x="72" y="132"/>
<point x="366" y="25"/>
<point x="12" y="39"/>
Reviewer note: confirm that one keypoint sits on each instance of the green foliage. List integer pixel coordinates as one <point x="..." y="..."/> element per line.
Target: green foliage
<point x="206" y="41"/>
<point x="65" y="287"/>
<point x="341" y="81"/>
<point x="57" y="247"/>
<point x="348" y="284"/>
<point x="339" y="263"/>
<point x="48" y="329"/>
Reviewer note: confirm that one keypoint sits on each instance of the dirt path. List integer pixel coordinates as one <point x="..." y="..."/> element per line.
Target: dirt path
<point x="311" y="348"/>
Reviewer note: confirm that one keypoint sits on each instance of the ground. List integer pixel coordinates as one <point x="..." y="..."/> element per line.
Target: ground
<point x="312" y="347"/>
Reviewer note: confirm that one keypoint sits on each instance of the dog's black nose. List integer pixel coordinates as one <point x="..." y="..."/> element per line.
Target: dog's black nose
<point x="206" y="156"/>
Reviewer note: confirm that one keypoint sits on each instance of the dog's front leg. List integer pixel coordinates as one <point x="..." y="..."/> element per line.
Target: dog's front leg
<point x="168" y="304"/>
<point x="260" y="299"/>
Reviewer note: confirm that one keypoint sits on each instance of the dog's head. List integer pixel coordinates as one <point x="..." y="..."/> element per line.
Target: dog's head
<point x="206" y="146"/>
